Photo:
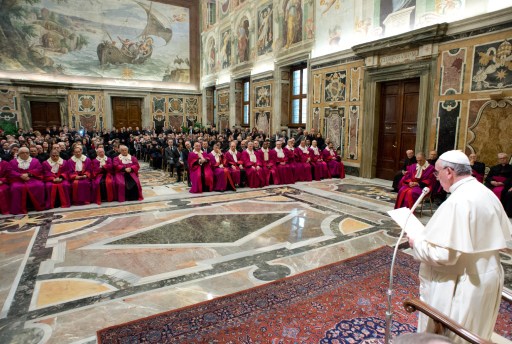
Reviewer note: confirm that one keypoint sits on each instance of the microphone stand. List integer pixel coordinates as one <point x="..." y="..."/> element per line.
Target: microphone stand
<point x="389" y="313"/>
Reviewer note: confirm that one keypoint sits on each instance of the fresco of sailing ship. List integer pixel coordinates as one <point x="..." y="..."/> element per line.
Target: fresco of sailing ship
<point x="135" y="51"/>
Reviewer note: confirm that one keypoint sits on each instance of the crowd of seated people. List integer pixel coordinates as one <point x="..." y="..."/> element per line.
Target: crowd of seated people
<point x="257" y="165"/>
<point x="60" y="167"/>
<point x="421" y="174"/>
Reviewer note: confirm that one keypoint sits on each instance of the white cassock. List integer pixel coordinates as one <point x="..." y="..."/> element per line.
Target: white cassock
<point x="460" y="272"/>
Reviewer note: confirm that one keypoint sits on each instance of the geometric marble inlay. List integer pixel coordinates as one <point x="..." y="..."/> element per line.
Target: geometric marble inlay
<point x="63" y="290"/>
<point x="349" y="225"/>
<point x="223" y="228"/>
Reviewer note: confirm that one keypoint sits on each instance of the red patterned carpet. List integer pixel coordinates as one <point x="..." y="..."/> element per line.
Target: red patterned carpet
<point x="343" y="302"/>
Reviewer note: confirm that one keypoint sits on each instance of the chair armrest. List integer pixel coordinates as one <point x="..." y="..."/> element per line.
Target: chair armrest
<point x="442" y="321"/>
<point x="506" y="295"/>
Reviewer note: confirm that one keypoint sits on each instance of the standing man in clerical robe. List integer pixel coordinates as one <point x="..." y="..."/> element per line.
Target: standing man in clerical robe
<point x="127" y="183"/>
<point x="200" y="172"/>
<point x="417" y="177"/>
<point x="284" y="172"/>
<point x="268" y="162"/>
<point x="235" y="164"/>
<point x="289" y="151"/>
<point x="221" y="175"/>
<point x="477" y="167"/>
<point x="80" y="177"/>
<point x="5" y="196"/>
<point x="252" y="166"/>
<point x="333" y="160"/>
<point x="103" y="187"/>
<point x="320" y="169"/>
<point x="57" y="187"/>
<point x="303" y="162"/>
<point x="460" y="272"/>
<point x="498" y="175"/>
<point x="25" y="178"/>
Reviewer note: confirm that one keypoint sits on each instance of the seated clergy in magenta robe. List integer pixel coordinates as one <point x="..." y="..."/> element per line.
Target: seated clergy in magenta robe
<point x="284" y="171"/>
<point x="268" y="157"/>
<point x="25" y="178"/>
<point x="102" y="178"/>
<point x="303" y="162"/>
<point x="57" y="187"/>
<point x="79" y="173"/>
<point x="234" y="163"/>
<point x="289" y="151"/>
<point x="417" y="177"/>
<point x="320" y="169"/>
<point x="253" y="170"/>
<point x="5" y="196"/>
<point x="333" y="160"/>
<point x="221" y="175"/>
<point x="200" y="172"/>
<point x="499" y="175"/>
<point x="127" y="181"/>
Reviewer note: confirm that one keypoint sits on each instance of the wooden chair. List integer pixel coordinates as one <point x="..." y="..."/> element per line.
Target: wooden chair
<point x="442" y="322"/>
<point x="427" y="198"/>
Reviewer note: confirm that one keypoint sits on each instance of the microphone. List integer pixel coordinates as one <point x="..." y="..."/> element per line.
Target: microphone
<point x="424" y="192"/>
<point x="389" y="313"/>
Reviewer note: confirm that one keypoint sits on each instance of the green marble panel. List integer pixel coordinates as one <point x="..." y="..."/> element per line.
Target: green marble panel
<point x="203" y="229"/>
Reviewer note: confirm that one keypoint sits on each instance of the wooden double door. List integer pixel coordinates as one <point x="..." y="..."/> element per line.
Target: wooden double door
<point x="44" y="114"/>
<point x="398" y="122"/>
<point x="127" y="112"/>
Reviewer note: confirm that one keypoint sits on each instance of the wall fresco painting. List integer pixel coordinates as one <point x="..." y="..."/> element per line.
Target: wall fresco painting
<point x="263" y="96"/>
<point x="353" y="130"/>
<point x="265" y="31"/>
<point x="291" y="25"/>
<point x="242" y="41"/>
<point x="492" y="66"/>
<point x="355" y="81"/>
<point x="493" y="120"/>
<point x="211" y="57"/>
<point x="225" y="49"/>
<point x="120" y="39"/>
<point x="224" y="6"/>
<point x="335" y="85"/>
<point x="452" y="70"/>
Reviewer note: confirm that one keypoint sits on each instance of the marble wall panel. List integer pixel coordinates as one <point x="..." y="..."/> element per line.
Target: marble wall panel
<point x="334" y="125"/>
<point x="448" y="125"/>
<point x="263" y="96"/>
<point x="335" y="86"/>
<point x="175" y="105"/>
<point x="492" y="66"/>
<point x="353" y="132"/>
<point x="9" y="110"/>
<point x="355" y="83"/>
<point x="223" y="101"/>
<point x="315" y="119"/>
<point x="452" y="70"/>
<point x="490" y="125"/>
<point x="175" y="121"/>
<point x="158" y="104"/>
<point x="317" y="88"/>
<point x="262" y="119"/>
<point x="86" y="109"/>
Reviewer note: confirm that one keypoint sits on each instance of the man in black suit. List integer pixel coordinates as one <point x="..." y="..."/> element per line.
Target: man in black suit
<point x="409" y="160"/>
<point x="184" y="154"/>
<point x="172" y="156"/>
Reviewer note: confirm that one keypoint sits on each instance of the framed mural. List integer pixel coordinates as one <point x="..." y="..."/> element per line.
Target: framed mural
<point x="146" y="43"/>
<point x="264" y="34"/>
<point x="263" y="96"/>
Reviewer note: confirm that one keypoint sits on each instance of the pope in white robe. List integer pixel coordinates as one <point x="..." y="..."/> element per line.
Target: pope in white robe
<point x="460" y="271"/>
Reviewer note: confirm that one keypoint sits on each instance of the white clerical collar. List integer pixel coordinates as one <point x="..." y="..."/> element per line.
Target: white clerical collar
<point x="24" y="164"/>
<point x="53" y="163"/>
<point x="459" y="183"/>
<point x="82" y="158"/>
<point x="304" y="149"/>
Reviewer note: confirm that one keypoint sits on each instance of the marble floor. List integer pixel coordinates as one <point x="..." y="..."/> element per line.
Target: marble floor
<point x="67" y="273"/>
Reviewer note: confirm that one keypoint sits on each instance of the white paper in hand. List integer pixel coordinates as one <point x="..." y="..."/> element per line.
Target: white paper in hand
<point x="404" y="218"/>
